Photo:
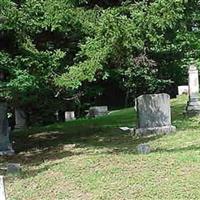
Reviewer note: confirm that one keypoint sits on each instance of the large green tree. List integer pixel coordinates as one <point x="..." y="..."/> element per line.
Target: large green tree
<point x="56" y="50"/>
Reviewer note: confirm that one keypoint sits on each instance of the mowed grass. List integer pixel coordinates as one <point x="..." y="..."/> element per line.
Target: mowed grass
<point x="94" y="160"/>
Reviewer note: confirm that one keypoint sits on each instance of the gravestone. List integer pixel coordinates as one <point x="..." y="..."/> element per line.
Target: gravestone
<point x="69" y="115"/>
<point x="97" y="111"/>
<point x="183" y="89"/>
<point x="193" y="105"/>
<point x="5" y="145"/>
<point x="2" y="189"/>
<point x="13" y="168"/>
<point x="57" y="115"/>
<point x="154" y="114"/>
<point x="143" y="148"/>
<point x="20" y="119"/>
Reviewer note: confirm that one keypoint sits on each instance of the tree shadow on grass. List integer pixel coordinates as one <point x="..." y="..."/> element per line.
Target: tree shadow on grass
<point x="178" y="150"/>
<point x="50" y="145"/>
<point x="39" y="148"/>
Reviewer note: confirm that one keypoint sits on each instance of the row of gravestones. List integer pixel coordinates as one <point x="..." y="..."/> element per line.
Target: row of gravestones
<point x="153" y="110"/>
<point x="20" y="116"/>
<point x="95" y="111"/>
<point x="153" y="113"/>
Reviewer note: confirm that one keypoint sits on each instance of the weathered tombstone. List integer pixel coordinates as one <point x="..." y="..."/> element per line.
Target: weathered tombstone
<point x="13" y="168"/>
<point x="143" y="148"/>
<point x="183" y="89"/>
<point x="2" y="189"/>
<point x="69" y="115"/>
<point x="154" y="114"/>
<point x="5" y="145"/>
<point x="193" y="105"/>
<point x="20" y="119"/>
<point x="97" y="111"/>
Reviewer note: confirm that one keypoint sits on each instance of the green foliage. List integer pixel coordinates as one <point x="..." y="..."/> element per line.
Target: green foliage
<point x="58" y="47"/>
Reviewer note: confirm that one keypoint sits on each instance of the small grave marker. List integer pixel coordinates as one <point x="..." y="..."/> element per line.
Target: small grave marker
<point x="143" y="148"/>
<point x="97" y="111"/>
<point x="13" y="168"/>
<point x="2" y="189"/>
<point x="183" y="89"/>
<point x="69" y="115"/>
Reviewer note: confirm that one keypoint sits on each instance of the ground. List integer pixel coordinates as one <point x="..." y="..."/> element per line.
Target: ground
<point x="94" y="160"/>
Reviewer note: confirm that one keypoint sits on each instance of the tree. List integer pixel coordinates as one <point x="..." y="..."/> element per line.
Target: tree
<point x="55" y="50"/>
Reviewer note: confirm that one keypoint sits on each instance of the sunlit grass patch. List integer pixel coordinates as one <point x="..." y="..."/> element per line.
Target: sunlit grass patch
<point x="94" y="159"/>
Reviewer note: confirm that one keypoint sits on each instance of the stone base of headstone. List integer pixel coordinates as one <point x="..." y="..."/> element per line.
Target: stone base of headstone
<point x="20" y="127"/>
<point x="193" y="108"/>
<point x="10" y="152"/>
<point x="155" y="130"/>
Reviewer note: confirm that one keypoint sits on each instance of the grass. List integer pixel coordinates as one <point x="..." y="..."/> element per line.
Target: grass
<point x="94" y="160"/>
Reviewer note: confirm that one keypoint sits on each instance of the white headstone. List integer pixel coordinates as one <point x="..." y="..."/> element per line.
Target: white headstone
<point x="154" y="114"/>
<point x="69" y="115"/>
<point x="193" y="106"/>
<point x="183" y="89"/>
<point x="2" y="189"/>
<point x="193" y="82"/>
<point x="57" y="115"/>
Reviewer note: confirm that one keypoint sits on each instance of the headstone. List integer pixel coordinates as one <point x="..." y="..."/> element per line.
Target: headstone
<point x="183" y="89"/>
<point x="143" y="148"/>
<point x="20" y="119"/>
<point x="97" y="111"/>
<point x="69" y="115"/>
<point x="56" y="115"/>
<point x="2" y="189"/>
<point x="125" y="128"/>
<point x="5" y="145"/>
<point x="154" y="114"/>
<point x="13" y="168"/>
<point x="193" y="105"/>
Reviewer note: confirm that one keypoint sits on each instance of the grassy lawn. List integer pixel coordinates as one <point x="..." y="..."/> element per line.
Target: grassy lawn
<point x="93" y="159"/>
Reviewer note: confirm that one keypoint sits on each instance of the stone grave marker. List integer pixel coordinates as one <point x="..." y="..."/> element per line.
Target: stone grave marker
<point x="143" y="148"/>
<point x="154" y="114"/>
<point x="97" y="111"/>
<point x="2" y="189"/>
<point x="69" y="115"/>
<point x="193" y="105"/>
<point x="183" y="89"/>
<point x="5" y="145"/>
<point x="13" y="168"/>
<point x="20" y="119"/>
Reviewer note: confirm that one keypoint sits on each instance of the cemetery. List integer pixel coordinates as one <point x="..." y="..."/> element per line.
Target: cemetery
<point x="99" y="100"/>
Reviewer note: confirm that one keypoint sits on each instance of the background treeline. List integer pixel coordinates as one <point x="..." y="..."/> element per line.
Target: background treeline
<point x="70" y="54"/>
